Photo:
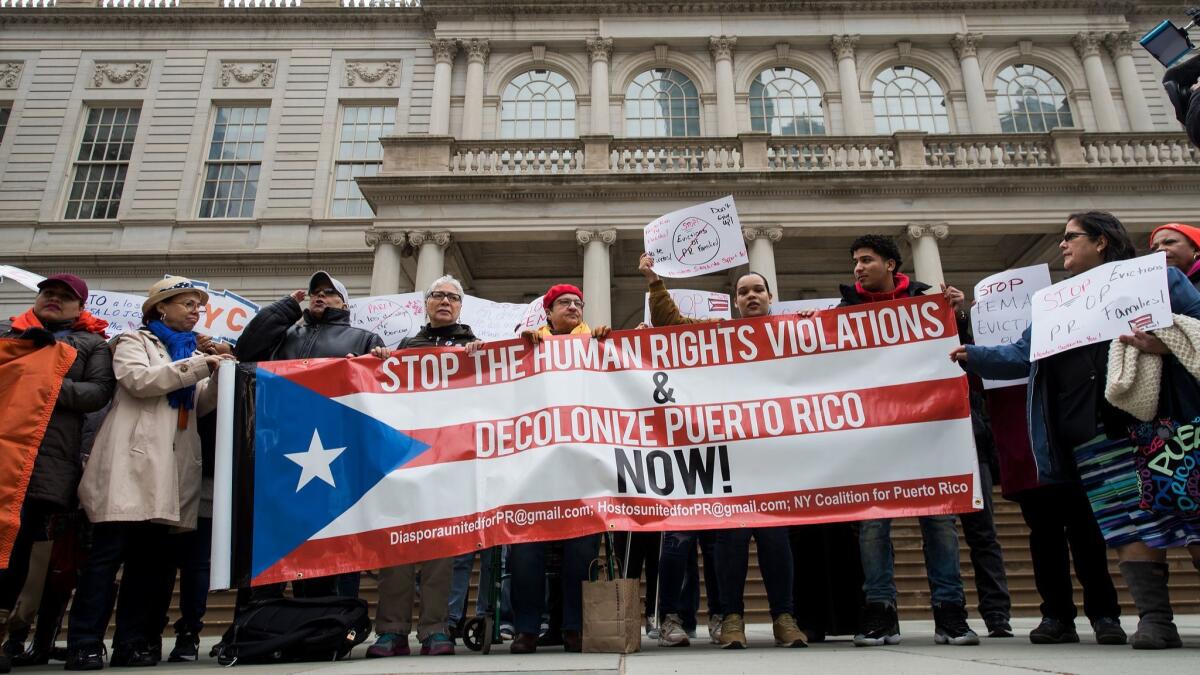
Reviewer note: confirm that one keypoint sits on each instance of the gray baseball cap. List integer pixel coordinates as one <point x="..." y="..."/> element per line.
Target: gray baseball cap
<point x="337" y="285"/>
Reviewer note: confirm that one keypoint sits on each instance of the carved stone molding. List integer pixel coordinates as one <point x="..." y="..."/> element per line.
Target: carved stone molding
<point x="420" y="237"/>
<point x="477" y="50"/>
<point x="133" y="75"/>
<point x="599" y="49"/>
<point x="722" y="47"/>
<point x="771" y="234"/>
<point x="1087" y="44"/>
<point x="444" y="50"/>
<point x="915" y="231"/>
<point x="843" y="46"/>
<point x="537" y="53"/>
<point x="247" y="74"/>
<point x="367" y="73"/>
<point x="965" y="44"/>
<point x="10" y="74"/>
<point x="904" y="48"/>
<point x="606" y="237"/>
<point x="1025" y="47"/>
<point x="1119" y="44"/>
<point x="660" y="52"/>
<point x="376" y="237"/>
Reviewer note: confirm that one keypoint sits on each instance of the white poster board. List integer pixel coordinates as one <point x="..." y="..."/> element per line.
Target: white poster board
<point x="695" y="304"/>
<point x="793" y="306"/>
<point x="398" y="316"/>
<point x="697" y="240"/>
<point x="1101" y="304"/>
<point x="1003" y="309"/>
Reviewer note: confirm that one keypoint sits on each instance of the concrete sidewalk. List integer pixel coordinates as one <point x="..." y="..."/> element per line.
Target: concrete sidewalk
<point x="916" y="654"/>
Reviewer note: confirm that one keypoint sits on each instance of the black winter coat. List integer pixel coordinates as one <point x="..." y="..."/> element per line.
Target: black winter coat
<point x="275" y="335"/>
<point x="456" y="334"/>
<point x="87" y="387"/>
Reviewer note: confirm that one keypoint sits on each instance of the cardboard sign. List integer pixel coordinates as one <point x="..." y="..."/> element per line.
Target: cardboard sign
<point x="1003" y="309"/>
<point x="697" y="240"/>
<point x="1101" y="304"/>
<point x="696" y="304"/>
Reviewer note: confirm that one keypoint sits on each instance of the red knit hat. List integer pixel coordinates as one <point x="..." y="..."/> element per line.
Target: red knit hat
<point x="1192" y="234"/>
<point x="556" y="291"/>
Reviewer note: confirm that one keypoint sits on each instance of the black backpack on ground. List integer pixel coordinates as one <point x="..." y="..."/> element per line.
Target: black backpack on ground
<point x="295" y="629"/>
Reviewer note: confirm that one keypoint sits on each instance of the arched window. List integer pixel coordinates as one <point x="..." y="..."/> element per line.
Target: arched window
<point x="538" y="104"/>
<point x="1031" y="100"/>
<point x="909" y="99"/>
<point x="786" y="102"/>
<point x="662" y="102"/>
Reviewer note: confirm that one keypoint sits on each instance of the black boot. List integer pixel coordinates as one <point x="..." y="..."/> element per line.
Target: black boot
<point x="1147" y="583"/>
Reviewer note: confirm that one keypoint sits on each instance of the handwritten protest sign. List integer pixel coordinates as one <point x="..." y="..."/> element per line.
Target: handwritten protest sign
<point x="500" y="320"/>
<point x="696" y="304"/>
<point x="122" y="311"/>
<point x="697" y="240"/>
<point x="395" y="317"/>
<point x="793" y="306"/>
<point x="1101" y="304"/>
<point x="1003" y="309"/>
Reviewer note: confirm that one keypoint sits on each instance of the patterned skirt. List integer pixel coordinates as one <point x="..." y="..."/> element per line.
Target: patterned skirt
<point x="1106" y="467"/>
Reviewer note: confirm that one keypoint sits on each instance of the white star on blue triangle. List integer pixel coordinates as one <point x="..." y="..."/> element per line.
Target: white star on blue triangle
<point x="315" y="463"/>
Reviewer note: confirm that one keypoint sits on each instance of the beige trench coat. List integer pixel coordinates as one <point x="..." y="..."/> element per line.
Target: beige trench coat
<point x="142" y="466"/>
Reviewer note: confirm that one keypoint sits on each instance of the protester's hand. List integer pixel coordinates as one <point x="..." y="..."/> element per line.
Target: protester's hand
<point x="642" y="326"/>
<point x="601" y="332"/>
<point x="208" y="345"/>
<point x="298" y="296"/>
<point x="531" y="336"/>
<point x="215" y="360"/>
<point x="959" y="354"/>
<point x="473" y="347"/>
<point x="381" y="352"/>
<point x="646" y="267"/>
<point x="808" y="313"/>
<point x="1145" y="342"/>
<point x="953" y="296"/>
<point x="39" y="336"/>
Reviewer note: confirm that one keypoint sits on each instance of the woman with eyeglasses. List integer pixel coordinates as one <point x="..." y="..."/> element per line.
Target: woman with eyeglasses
<point x="1076" y="434"/>
<point x="143" y="476"/>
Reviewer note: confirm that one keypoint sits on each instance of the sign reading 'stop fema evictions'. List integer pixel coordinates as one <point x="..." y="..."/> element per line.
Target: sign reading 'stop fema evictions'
<point x="1101" y="304"/>
<point x="1003" y="307"/>
<point x="697" y="240"/>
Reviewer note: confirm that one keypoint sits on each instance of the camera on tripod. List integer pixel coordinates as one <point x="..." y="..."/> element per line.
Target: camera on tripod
<point x="1167" y="42"/>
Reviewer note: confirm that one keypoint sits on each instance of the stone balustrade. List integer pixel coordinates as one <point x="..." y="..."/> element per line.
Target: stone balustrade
<point x="1138" y="149"/>
<point x="831" y="153"/>
<point x="517" y="157"/>
<point x="989" y="151"/>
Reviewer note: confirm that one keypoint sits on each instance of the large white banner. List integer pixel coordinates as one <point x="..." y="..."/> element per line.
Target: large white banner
<point x="1101" y="304"/>
<point x="1003" y="309"/>
<point x="697" y="240"/>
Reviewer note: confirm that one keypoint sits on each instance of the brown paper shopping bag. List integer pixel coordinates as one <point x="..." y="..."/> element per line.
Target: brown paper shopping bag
<point x="612" y="614"/>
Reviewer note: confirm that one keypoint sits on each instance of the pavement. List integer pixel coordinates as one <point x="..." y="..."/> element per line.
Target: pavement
<point x="916" y="654"/>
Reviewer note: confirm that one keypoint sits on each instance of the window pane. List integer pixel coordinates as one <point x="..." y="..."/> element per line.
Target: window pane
<point x="908" y="98"/>
<point x="1030" y="99"/>
<point x="101" y="163"/>
<point x="536" y="104"/>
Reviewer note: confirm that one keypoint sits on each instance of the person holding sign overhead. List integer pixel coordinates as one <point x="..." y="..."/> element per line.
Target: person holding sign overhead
<point x="1076" y="431"/>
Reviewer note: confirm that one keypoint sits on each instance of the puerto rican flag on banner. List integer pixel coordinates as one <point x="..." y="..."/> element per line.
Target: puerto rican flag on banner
<point x="350" y="464"/>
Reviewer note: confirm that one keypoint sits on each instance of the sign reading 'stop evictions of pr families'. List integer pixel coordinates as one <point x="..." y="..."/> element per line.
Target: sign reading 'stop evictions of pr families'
<point x="697" y="240"/>
<point x="1003" y="307"/>
<point x="1101" y="304"/>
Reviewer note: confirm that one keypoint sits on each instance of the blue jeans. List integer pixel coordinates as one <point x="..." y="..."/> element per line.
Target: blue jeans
<point x="460" y="583"/>
<point x="774" y="561"/>
<point x="939" y="540"/>
<point x="679" y="585"/>
<point x="528" y="565"/>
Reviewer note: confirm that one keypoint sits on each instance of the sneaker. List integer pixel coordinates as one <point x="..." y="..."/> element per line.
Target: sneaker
<point x="187" y="648"/>
<point x="787" y="633"/>
<point x="389" y="644"/>
<point x="507" y="631"/>
<point x="714" y="628"/>
<point x="651" y="632"/>
<point x="950" y="626"/>
<point x="671" y="632"/>
<point x="1000" y="629"/>
<point x="438" y="644"/>
<point x="733" y="632"/>
<point x="1053" y="632"/>
<point x="135" y="654"/>
<point x="1108" y="631"/>
<point x="880" y="626"/>
<point x="86" y="657"/>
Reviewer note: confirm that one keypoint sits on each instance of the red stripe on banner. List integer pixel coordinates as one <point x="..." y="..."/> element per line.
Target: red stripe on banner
<point x="548" y="521"/>
<point x="675" y="426"/>
<point x="671" y="348"/>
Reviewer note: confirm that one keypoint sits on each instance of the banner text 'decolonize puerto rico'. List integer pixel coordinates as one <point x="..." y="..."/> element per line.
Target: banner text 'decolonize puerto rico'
<point x="365" y="463"/>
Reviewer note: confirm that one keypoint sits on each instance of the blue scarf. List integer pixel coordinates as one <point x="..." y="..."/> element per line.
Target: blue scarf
<point x="180" y="345"/>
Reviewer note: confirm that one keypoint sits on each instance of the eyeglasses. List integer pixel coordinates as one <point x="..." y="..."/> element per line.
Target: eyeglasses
<point x="567" y="302"/>
<point x="445" y="295"/>
<point x="324" y="292"/>
<point x="190" y="306"/>
<point x="1072" y="236"/>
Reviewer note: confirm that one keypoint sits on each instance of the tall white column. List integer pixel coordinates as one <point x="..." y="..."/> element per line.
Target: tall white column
<point x="597" y="275"/>
<point x="927" y="261"/>
<point x="722" y="53"/>
<point x="431" y="256"/>
<point x="477" y="53"/>
<point x="385" y="271"/>
<point x="982" y="121"/>
<point x="852" y="110"/>
<point x="761" y="249"/>
<point x="1088" y="47"/>
<point x="443" y="65"/>
<point x="600" y="51"/>
<point x="1120" y="46"/>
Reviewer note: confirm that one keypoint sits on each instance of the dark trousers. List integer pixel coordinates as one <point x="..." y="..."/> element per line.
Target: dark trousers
<point x="527" y="563"/>
<point x="991" y="583"/>
<point x="34" y="517"/>
<point x="679" y="575"/>
<point x="643" y="553"/>
<point x="139" y="548"/>
<point x="774" y="561"/>
<point x="190" y="553"/>
<point x="828" y="578"/>
<point x="1059" y="516"/>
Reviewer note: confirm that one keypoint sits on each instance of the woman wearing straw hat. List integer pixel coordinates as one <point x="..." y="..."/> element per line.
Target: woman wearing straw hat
<point x="143" y="476"/>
